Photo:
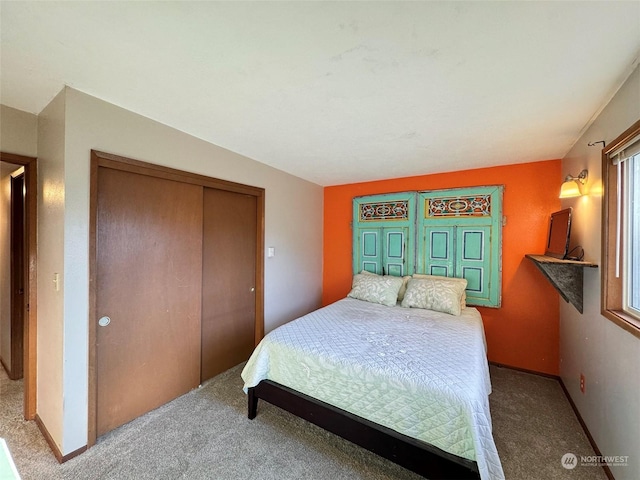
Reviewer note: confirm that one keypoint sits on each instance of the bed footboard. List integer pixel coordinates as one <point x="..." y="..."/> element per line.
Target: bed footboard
<point x="415" y="455"/>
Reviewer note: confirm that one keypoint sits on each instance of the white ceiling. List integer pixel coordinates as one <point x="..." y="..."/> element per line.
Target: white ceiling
<point x="336" y="92"/>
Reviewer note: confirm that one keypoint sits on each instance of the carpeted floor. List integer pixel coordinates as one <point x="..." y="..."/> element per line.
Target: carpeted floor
<point x="205" y="434"/>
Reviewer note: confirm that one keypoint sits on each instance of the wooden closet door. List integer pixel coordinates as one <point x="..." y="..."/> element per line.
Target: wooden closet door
<point x="228" y="280"/>
<point x="149" y="283"/>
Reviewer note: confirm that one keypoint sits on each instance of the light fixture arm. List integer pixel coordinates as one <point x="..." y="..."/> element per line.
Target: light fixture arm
<point x="582" y="177"/>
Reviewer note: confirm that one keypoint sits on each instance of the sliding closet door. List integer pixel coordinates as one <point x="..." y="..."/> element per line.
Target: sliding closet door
<point x="148" y="293"/>
<point x="228" y="280"/>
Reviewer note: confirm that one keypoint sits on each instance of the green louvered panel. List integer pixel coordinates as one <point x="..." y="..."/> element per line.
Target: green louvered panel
<point x="474" y="263"/>
<point x="384" y="233"/>
<point x="395" y="251"/>
<point x="462" y="238"/>
<point x="370" y="258"/>
<point x="437" y="252"/>
<point x="382" y="250"/>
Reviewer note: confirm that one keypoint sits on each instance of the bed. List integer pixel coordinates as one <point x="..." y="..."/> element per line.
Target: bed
<point x="410" y="384"/>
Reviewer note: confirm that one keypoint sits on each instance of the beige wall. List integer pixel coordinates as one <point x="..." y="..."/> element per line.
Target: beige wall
<point x="51" y="216"/>
<point x="18" y="134"/>
<point x="293" y="225"/>
<point x="607" y="355"/>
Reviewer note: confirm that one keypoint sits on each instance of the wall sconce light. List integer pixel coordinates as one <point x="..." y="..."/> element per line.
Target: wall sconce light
<point x="572" y="186"/>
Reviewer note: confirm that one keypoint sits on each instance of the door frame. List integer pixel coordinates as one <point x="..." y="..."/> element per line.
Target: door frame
<point x="30" y="275"/>
<point x="107" y="160"/>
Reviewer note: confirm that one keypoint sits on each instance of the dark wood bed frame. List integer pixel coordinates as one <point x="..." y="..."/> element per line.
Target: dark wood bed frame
<point x="415" y="455"/>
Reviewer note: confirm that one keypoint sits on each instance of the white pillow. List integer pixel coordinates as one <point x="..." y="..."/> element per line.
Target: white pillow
<point x="463" y="299"/>
<point x="376" y="288"/>
<point x="438" y="294"/>
<point x="403" y="288"/>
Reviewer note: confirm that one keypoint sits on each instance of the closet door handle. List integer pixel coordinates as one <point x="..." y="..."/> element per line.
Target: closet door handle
<point x="253" y="289"/>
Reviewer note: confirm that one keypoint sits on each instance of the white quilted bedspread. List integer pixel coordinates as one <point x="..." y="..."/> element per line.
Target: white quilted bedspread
<point x="419" y="372"/>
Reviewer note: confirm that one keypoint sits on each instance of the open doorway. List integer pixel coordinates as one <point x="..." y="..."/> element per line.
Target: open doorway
<point x="12" y="260"/>
<point x="18" y="273"/>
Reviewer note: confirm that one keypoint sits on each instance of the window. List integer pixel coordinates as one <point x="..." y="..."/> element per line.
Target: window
<point x="632" y="305"/>
<point x="621" y="231"/>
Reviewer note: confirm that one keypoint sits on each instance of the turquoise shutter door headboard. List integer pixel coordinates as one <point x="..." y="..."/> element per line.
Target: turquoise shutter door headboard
<point x="384" y="233"/>
<point x="467" y="224"/>
<point x="452" y="233"/>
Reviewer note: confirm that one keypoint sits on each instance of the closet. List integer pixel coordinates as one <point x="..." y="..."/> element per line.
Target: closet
<point x="228" y="283"/>
<point x="176" y="284"/>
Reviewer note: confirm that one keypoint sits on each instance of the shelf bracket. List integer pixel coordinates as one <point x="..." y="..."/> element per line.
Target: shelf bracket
<point x="566" y="276"/>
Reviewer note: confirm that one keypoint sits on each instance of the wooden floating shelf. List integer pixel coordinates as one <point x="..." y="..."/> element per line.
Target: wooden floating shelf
<point x="565" y="275"/>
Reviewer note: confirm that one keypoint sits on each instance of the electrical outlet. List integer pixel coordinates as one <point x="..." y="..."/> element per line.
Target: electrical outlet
<point x="582" y="386"/>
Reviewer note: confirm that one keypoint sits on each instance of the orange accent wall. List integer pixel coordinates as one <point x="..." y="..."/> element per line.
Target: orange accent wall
<point x="523" y="332"/>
